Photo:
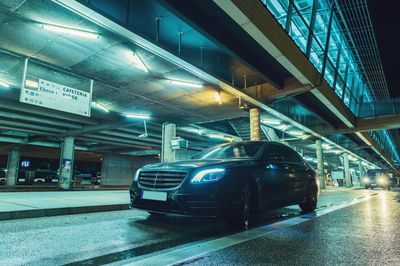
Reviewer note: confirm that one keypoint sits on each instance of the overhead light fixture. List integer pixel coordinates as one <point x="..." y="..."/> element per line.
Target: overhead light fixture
<point x="217" y="97"/>
<point x="139" y="116"/>
<point x="99" y="106"/>
<point x="326" y="146"/>
<point x="31" y="83"/>
<point x="271" y="121"/>
<point x="186" y="84"/>
<point x="296" y="133"/>
<point x="283" y="127"/>
<point x="78" y="33"/>
<point x="216" y="136"/>
<point x="305" y="136"/>
<point x="4" y="84"/>
<point x="137" y="62"/>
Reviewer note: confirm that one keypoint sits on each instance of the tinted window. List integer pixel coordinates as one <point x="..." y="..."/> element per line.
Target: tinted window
<point x="276" y="152"/>
<point x="232" y="150"/>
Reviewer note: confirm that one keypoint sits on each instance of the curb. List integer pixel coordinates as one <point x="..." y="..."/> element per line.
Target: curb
<point x="11" y="215"/>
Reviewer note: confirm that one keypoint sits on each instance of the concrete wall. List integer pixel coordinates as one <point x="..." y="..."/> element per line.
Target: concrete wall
<point x="118" y="170"/>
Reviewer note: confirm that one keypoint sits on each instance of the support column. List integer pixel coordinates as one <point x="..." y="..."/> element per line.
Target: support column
<point x="67" y="162"/>
<point x="168" y="133"/>
<point x="362" y="172"/>
<point x="12" y="166"/>
<point x="346" y="166"/>
<point x="320" y="163"/>
<point x="255" y="124"/>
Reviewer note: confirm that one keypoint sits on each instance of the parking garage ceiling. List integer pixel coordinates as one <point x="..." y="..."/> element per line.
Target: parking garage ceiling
<point x="120" y="86"/>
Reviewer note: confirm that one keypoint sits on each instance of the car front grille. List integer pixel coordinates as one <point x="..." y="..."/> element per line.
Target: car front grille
<point x="161" y="180"/>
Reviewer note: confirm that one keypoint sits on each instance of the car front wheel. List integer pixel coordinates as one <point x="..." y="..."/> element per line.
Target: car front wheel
<point x="310" y="204"/>
<point x="240" y="215"/>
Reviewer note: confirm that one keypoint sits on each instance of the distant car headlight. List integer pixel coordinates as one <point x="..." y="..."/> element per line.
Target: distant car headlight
<point x="136" y="176"/>
<point x="208" y="175"/>
<point x="366" y="180"/>
<point x="381" y="180"/>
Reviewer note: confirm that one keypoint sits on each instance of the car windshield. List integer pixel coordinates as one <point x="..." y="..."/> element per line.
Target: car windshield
<point x="232" y="151"/>
<point x="374" y="173"/>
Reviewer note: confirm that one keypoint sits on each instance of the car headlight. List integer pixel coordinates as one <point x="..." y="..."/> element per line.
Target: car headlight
<point x="136" y="176"/>
<point x="381" y="180"/>
<point x="366" y="179"/>
<point x="208" y="175"/>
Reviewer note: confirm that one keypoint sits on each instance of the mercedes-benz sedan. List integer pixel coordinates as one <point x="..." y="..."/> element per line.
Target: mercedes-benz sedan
<point x="231" y="181"/>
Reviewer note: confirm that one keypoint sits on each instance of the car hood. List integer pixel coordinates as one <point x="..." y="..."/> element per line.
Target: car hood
<point x="191" y="164"/>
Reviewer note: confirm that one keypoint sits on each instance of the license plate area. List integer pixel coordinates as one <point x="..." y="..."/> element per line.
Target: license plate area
<point x="154" y="195"/>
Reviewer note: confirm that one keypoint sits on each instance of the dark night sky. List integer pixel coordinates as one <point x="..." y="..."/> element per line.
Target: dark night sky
<point x="386" y="21"/>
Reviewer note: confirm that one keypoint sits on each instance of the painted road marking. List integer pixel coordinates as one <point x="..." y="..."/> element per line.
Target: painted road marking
<point x="192" y="251"/>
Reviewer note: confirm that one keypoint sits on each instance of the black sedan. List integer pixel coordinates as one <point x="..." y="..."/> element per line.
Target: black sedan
<point x="231" y="181"/>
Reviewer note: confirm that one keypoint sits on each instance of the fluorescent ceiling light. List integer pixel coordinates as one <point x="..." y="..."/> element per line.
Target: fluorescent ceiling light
<point x="271" y="121"/>
<point x="140" y="116"/>
<point x="31" y="83"/>
<point x="283" y="127"/>
<point x="326" y="146"/>
<point x="217" y="97"/>
<point x="186" y="84"/>
<point x="99" y="106"/>
<point x="4" y="84"/>
<point x="296" y="133"/>
<point x="78" y="33"/>
<point x="216" y="136"/>
<point x="137" y="62"/>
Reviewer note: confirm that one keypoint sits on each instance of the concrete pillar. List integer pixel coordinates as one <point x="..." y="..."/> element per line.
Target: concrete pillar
<point x="346" y="166"/>
<point x="12" y="166"/>
<point x="362" y="172"/>
<point x="67" y="162"/>
<point x="320" y="163"/>
<point x="255" y="133"/>
<point x="168" y="133"/>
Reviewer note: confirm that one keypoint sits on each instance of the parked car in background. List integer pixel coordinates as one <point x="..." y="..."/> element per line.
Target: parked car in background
<point x="232" y="181"/>
<point x="96" y="180"/>
<point x="2" y="177"/>
<point x="43" y="176"/>
<point x="379" y="178"/>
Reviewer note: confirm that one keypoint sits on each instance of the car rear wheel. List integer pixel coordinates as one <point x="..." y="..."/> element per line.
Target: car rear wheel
<point x="240" y="216"/>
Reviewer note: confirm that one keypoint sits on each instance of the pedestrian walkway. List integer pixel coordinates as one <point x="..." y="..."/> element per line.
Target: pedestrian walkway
<point x="14" y="205"/>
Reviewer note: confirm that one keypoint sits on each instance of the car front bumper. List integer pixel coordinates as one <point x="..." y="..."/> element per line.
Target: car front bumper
<point x="208" y="201"/>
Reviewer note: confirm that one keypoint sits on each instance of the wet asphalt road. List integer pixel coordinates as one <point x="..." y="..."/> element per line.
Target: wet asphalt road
<point x="363" y="234"/>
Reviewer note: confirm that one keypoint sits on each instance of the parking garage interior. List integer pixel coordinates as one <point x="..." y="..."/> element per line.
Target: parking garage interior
<point x="92" y="91"/>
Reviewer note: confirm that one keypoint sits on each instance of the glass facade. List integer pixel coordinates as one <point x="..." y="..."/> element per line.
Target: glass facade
<point x="316" y="29"/>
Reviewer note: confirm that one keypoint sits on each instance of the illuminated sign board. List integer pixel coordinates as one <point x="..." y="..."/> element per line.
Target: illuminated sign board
<point x="25" y="163"/>
<point x="58" y="97"/>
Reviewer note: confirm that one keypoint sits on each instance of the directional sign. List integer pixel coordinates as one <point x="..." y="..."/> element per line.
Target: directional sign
<point x="58" y="97"/>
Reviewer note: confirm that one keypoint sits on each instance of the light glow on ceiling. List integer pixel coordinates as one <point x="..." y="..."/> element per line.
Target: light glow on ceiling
<point x="296" y="133"/>
<point x="139" y="116"/>
<point x="269" y="121"/>
<point x="137" y="62"/>
<point x="31" y="83"/>
<point x="216" y="136"/>
<point x="4" y="84"/>
<point x="217" y="97"/>
<point x="101" y="107"/>
<point x="78" y="33"/>
<point x="185" y="84"/>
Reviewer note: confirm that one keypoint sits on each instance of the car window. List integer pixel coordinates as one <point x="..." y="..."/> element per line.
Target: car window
<point x="275" y="153"/>
<point x="232" y="150"/>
